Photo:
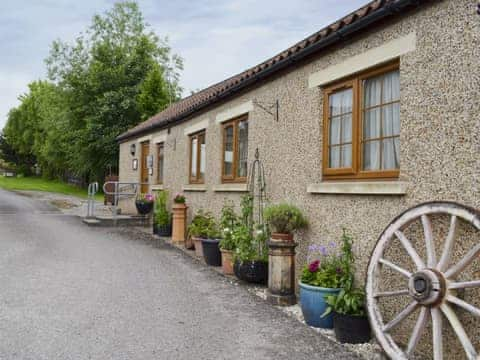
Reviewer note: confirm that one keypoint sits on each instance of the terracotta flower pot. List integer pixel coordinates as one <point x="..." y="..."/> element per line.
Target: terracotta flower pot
<point x="281" y="237"/>
<point x="179" y="223"/>
<point x="227" y="262"/>
<point x="197" y="242"/>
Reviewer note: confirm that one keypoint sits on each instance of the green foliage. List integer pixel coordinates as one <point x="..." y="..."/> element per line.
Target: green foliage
<point x="332" y="270"/>
<point x="350" y="301"/>
<point x="203" y="226"/>
<point x="228" y="221"/>
<point x="179" y="199"/>
<point x="250" y="239"/>
<point x="161" y="215"/>
<point x="284" y="218"/>
<point x="111" y="77"/>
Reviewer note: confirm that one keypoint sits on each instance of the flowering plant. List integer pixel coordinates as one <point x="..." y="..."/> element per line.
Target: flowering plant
<point x="179" y="199"/>
<point x="145" y="198"/>
<point x="334" y="267"/>
<point x="228" y="221"/>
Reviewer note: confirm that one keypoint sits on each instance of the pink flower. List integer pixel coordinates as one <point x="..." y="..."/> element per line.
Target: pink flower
<point x="313" y="267"/>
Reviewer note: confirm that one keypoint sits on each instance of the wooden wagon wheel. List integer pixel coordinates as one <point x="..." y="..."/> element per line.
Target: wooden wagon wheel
<point x="431" y="287"/>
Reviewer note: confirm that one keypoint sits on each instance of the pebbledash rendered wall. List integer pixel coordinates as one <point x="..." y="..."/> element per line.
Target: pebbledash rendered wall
<point x="440" y="134"/>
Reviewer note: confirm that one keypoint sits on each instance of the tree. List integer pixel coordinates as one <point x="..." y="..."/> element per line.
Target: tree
<point x="112" y="77"/>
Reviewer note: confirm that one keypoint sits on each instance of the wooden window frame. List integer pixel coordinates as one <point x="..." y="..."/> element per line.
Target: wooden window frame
<point x="236" y="152"/>
<point x="160" y="145"/>
<point x="355" y="172"/>
<point x="196" y="179"/>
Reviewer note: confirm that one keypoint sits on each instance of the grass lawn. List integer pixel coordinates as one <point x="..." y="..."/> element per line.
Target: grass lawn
<point x="40" y="184"/>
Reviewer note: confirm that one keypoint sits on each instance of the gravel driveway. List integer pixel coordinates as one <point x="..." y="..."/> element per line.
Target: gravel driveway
<point x="68" y="291"/>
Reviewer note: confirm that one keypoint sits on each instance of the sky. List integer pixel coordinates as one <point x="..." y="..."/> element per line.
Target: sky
<point x="216" y="38"/>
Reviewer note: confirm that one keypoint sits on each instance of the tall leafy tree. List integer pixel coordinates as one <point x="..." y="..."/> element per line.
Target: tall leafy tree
<point x="116" y="74"/>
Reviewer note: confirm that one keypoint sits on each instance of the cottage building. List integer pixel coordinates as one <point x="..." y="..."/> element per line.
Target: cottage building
<point x="364" y="119"/>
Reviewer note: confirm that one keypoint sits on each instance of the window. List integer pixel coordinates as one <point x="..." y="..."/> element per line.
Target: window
<point x="197" y="158"/>
<point x="235" y="150"/>
<point x="362" y="126"/>
<point x="160" y="161"/>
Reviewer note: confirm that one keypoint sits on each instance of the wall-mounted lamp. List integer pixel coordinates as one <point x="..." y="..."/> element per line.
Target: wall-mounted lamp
<point x="133" y="149"/>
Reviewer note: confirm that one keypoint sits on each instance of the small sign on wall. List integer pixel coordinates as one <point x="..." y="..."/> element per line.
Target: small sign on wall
<point x="150" y="171"/>
<point x="135" y="164"/>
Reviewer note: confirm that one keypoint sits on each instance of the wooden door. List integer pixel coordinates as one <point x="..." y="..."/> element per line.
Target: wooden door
<point x="144" y="167"/>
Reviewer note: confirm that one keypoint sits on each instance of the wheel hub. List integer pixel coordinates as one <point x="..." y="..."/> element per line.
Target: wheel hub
<point x="427" y="287"/>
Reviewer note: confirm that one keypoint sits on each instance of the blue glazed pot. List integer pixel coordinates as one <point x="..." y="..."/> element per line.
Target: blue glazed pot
<point x="312" y="302"/>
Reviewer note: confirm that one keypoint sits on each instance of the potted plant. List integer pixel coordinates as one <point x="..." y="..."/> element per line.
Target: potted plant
<point x="228" y="221"/>
<point x="144" y="203"/>
<point x="325" y="277"/>
<point x="162" y="224"/>
<point x="284" y="219"/>
<point x="251" y="255"/>
<point x="202" y="227"/>
<point x="179" y="210"/>
<point x="350" y="321"/>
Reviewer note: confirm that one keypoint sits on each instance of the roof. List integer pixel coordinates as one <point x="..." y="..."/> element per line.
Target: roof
<point x="366" y="16"/>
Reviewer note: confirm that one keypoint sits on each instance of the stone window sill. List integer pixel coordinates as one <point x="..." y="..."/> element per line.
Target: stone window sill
<point x="195" y="187"/>
<point x="397" y="188"/>
<point x="230" y="188"/>
<point x="157" y="187"/>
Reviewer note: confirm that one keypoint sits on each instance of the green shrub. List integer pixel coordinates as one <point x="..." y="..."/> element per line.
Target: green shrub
<point x="161" y="215"/>
<point x="284" y="218"/>
<point x="204" y="226"/>
<point x="228" y="221"/>
<point x="348" y="302"/>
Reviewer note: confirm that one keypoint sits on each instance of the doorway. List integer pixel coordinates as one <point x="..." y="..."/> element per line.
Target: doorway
<point x="144" y="170"/>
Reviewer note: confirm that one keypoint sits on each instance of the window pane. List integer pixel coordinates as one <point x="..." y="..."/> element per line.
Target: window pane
<point x="391" y="119"/>
<point x="391" y="86"/>
<point x="390" y="154"/>
<point x="347" y="128"/>
<point x="340" y="102"/>
<point x="202" y="155"/>
<point x="371" y="124"/>
<point x="160" y="164"/>
<point x="371" y="155"/>
<point x="372" y="91"/>
<point x="193" y="157"/>
<point x="334" y="157"/>
<point x="242" y="148"/>
<point x="228" y="155"/>
<point x="346" y="155"/>
<point x="335" y="131"/>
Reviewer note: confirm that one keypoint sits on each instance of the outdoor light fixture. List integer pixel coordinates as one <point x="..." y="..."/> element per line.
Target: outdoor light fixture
<point x="132" y="149"/>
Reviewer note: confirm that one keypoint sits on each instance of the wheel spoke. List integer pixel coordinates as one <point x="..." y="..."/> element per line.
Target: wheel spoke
<point x="430" y="246"/>
<point x="395" y="267"/>
<point x="449" y="242"/>
<point x="464" y="305"/>
<point x="437" y="334"/>
<point x="401" y="316"/>
<point x="417" y="331"/>
<point x="464" y="284"/>
<point x="462" y="264"/>
<point x="391" y="293"/>
<point x="460" y="331"/>
<point x="410" y="250"/>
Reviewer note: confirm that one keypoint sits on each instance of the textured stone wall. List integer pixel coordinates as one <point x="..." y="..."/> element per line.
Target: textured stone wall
<point x="440" y="129"/>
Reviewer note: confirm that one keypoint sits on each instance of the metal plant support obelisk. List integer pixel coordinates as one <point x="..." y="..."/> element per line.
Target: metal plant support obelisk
<point x="257" y="190"/>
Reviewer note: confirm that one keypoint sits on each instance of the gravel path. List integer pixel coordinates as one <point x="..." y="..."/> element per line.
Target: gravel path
<point x="73" y="292"/>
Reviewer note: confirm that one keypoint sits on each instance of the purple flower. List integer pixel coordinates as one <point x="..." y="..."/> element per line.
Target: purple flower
<point x="313" y="267"/>
<point x="332" y="244"/>
<point x="323" y="250"/>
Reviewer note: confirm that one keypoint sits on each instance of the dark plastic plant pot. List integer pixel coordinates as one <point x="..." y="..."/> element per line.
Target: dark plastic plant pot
<point x="351" y="329"/>
<point x="211" y="252"/>
<point x="251" y="271"/>
<point x="144" y="207"/>
<point x="164" y="230"/>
